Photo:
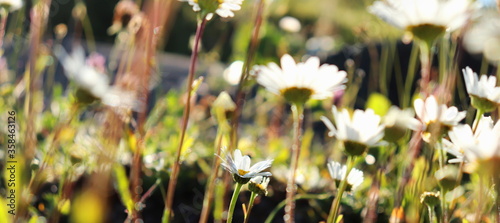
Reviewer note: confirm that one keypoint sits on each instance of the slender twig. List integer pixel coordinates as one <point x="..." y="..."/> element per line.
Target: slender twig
<point x="207" y="200"/>
<point x="175" y="169"/>
<point x="298" y="118"/>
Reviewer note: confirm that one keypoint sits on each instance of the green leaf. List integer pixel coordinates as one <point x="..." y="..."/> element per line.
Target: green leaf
<point x="123" y="185"/>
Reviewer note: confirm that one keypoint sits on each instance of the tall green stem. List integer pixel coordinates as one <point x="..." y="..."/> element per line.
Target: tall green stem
<point x="250" y="205"/>
<point x="234" y="199"/>
<point x="479" y="115"/>
<point x="334" y="211"/>
<point x="175" y="169"/>
<point x="298" y="118"/>
<point x="410" y="75"/>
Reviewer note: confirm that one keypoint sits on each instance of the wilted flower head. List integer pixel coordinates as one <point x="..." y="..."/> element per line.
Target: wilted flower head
<point x="425" y="19"/>
<point x="397" y="122"/>
<point x="239" y="166"/>
<point x="436" y="118"/>
<point x="124" y="11"/>
<point x="358" y="133"/>
<point x="223" y="8"/>
<point x="338" y="172"/>
<point x="484" y="93"/>
<point x="11" y="5"/>
<point x="300" y="82"/>
<point x="258" y="185"/>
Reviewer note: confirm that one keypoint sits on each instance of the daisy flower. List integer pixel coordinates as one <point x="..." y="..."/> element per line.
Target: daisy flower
<point x="425" y="19"/>
<point x="436" y="117"/>
<point x="223" y="8"/>
<point x="300" y="82"/>
<point x="239" y="166"/>
<point x="397" y="122"/>
<point x="358" y="133"/>
<point x="258" y="185"/>
<point x="93" y="84"/>
<point x="481" y="146"/>
<point x="338" y="172"/>
<point x="484" y="35"/>
<point x="485" y="95"/>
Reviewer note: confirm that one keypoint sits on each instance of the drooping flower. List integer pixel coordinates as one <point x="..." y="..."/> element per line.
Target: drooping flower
<point x="484" y="93"/>
<point x="425" y="19"/>
<point x="223" y="8"/>
<point x="239" y="166"/>
<point x="300" y="82"/>
<point x="258" y="185"/>
<point x="437" y="119"/>
<point x="338" y="172"/>
<point x="358" y="133"/>
<point x="397" y="122"/>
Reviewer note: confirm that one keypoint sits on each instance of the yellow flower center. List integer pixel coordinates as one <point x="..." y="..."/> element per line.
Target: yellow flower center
<point x="242" y="172"/>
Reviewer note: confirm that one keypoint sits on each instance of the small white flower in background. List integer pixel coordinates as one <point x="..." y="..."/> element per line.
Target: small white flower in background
<point x="397" y="122"/>
<point x="358" y="133"/>
<point x="290" y="24"/>
<point x="485" y="95"/>
<point x="239" y="166"/>
<point x="454" y="150"/>
<point x="338" y="172"/>
<point x="436" y="118"/>
<point x="259" y="185"/>
<point x="223" y="8"/>
<point x="484" y="36"/>
<point x="89" y="76"/>
<point x="300" y="82"/>
<point x="11" y="5"/>
<point x="232" y="74"/>
<point x="481" y="145"/>
<point x="425" y="19"/>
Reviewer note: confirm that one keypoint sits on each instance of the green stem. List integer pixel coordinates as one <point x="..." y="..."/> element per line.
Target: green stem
<point x="431" y="213"/>
<point x="442" y="162"/>
<point x="234" y="199"/>
<point x="250" y="205"/>
<point x="410" y="75"/>
<point x="479" y="115"/>
<point x="297" y="197"/>
<point x="298" y="118"/>
<point x="185" y="117"/>
<point x="334" y="211"/>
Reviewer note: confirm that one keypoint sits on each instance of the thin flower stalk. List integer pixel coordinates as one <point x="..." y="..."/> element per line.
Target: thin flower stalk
<point x="185" y="117"/>
<point x="234" y="199"/>
<point x="298" y="119"/>
<point x="250" y="206"/>
<point x="240" y="94"/>
<point x="334" y="211"/>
